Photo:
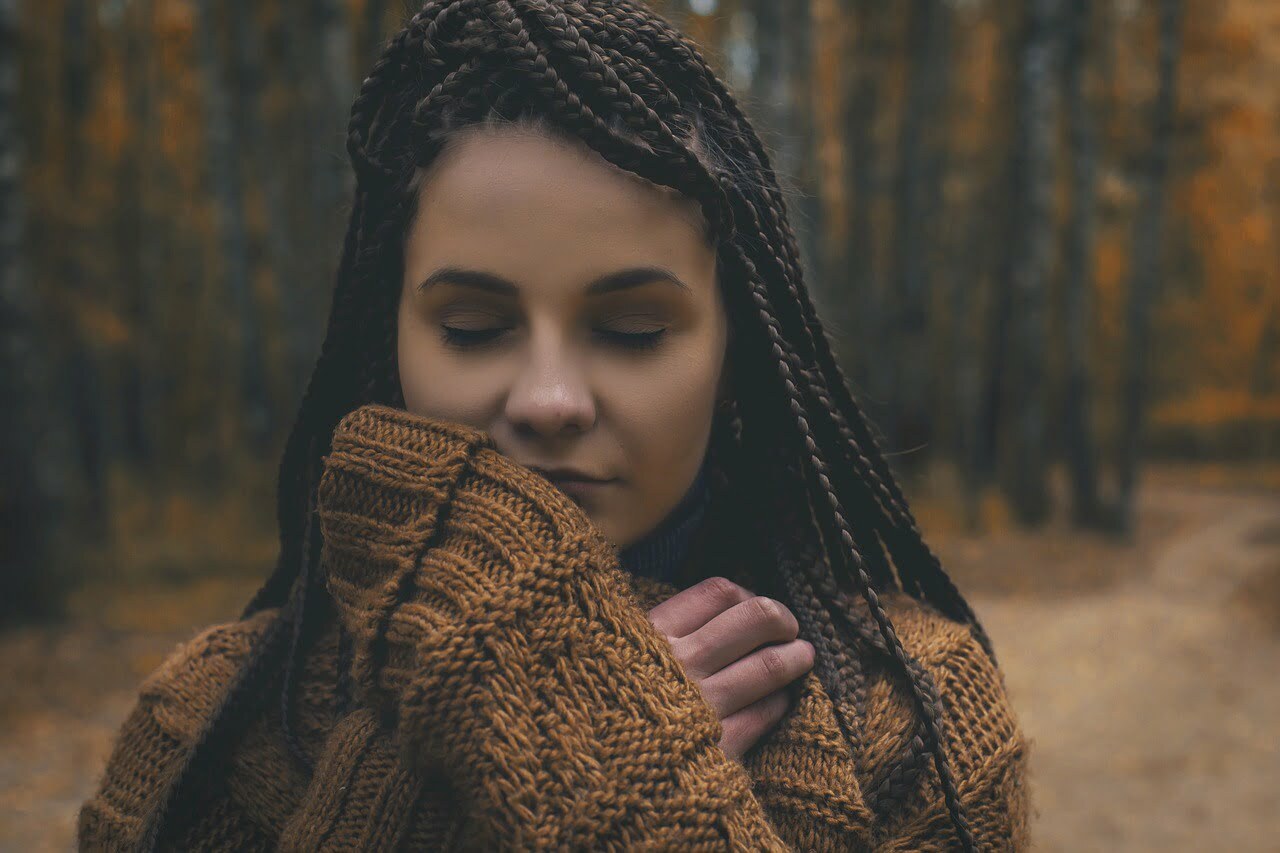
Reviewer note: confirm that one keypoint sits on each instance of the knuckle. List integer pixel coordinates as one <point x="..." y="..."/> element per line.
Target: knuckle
<point x="773" y="663"/>
<point x="775" y="615"/>
<point x="721" y="590"/>
<point x="766" y="609"/>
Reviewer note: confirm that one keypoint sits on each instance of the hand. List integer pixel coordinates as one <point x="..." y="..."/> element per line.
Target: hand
<point x="717" y="629"/>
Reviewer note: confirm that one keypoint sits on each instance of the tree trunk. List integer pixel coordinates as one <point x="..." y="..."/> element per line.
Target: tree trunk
<point x="232" y="242"/>
<point x="1030" y="263"/>
<point x="133" y="250"/>
<point x="298" y="275"/>
<point x="83" y="375"/>
<point x="989" y="403"/>
<point x="272" y="248"/>
<point x="1079" y="250"/>
<point x="968" y="276"/>
<point x="32" y="457"/>
<point x="802" y="146"/>
<point x="1147" y="254"/>
<point x="921" y="140"/>
<point x="975" y="259"/>
<point x="860" y="306"/>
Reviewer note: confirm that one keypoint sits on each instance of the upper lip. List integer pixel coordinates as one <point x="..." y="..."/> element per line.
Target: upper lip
<point x="566" y="474"/>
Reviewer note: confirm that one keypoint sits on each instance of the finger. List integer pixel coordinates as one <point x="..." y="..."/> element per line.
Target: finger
<point x="734" y="634"/>
<point x="756" y="676"/>
<point x="743" y="729"/>
<point x="690" y="609"/>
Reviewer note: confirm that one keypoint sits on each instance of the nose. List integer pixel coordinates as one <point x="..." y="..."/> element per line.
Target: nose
<point x="550" y="397"/>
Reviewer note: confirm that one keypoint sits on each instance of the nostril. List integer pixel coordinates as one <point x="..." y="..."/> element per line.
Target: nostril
<point x="550" y="425"/>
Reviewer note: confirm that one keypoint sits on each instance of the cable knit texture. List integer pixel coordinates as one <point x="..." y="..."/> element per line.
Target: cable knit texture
<point x="511" y="693"/>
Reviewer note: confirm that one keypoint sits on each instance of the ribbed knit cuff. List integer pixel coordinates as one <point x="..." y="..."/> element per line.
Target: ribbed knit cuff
<point x="386" y="481"/>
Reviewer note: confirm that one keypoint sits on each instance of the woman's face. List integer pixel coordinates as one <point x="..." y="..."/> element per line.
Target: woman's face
<point x="569" y="309"/>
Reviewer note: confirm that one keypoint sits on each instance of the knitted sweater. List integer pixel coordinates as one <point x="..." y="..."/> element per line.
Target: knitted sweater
<point x="510" y="692"/>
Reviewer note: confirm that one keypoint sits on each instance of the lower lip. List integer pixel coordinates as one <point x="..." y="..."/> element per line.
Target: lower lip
<point x="582" y="488"/>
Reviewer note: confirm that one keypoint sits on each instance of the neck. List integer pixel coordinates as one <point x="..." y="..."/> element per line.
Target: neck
<point x="660" y="553"/>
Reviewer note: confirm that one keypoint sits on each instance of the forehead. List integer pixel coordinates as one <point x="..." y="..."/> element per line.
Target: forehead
<point x="529" y="205"/>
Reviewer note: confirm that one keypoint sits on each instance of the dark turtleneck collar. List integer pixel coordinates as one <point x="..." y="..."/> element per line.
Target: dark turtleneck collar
<point x="660" y="553"/>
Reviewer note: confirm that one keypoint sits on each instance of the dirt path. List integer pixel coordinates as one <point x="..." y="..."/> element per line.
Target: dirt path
<point x="1145" y="675"/>
<point x="1153" y="705"/>
<point x="65" y="689"/>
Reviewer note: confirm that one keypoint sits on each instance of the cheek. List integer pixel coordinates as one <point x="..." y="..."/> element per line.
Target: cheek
<point x="664" y="417"/>
<point x="433" y="384"/>
<point x="665" y="431"/>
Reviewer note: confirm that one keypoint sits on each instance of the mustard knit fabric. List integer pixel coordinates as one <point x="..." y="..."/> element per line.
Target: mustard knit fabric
<point x="510" y="693"/>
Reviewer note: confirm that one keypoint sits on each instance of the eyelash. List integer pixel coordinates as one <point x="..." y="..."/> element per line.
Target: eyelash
<point x="477" y="338"/>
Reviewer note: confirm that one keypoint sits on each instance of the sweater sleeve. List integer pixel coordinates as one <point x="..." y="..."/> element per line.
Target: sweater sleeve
<point x="173" y="703"/>
<point x="491" y="621"/>
<point x="981" y="735"/>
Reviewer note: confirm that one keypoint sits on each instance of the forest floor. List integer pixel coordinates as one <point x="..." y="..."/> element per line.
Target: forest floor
<point x="1143" y="673"/>
<point x="1151" y="699"/>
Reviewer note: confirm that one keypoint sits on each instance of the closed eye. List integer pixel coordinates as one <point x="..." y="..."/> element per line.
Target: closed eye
<point x="632" y="340"/>
<point x="469" y="338"/>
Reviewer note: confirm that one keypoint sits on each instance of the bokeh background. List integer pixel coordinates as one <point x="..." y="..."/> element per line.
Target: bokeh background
<point x="1043" y="233"/>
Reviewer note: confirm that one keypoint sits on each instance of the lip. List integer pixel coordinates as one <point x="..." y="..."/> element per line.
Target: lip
<point x="580" y="489"/>
<point x="570" y="477"/>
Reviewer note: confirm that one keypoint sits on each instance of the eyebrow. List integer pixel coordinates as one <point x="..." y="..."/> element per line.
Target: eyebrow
<point x="608" y="283"/>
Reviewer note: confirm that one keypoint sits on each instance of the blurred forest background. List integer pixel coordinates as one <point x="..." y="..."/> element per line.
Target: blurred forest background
<point x="1043" y="234"/>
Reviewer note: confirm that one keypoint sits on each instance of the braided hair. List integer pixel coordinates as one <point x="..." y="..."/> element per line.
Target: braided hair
<point x="616" y="76"/>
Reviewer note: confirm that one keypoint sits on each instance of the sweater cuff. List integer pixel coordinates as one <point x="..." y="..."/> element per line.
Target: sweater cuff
<point x="386" y="481"/>
<point x="502" y="538"/>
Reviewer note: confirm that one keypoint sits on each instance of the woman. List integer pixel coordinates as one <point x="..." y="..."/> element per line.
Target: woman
<point x="584" y="541"/>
